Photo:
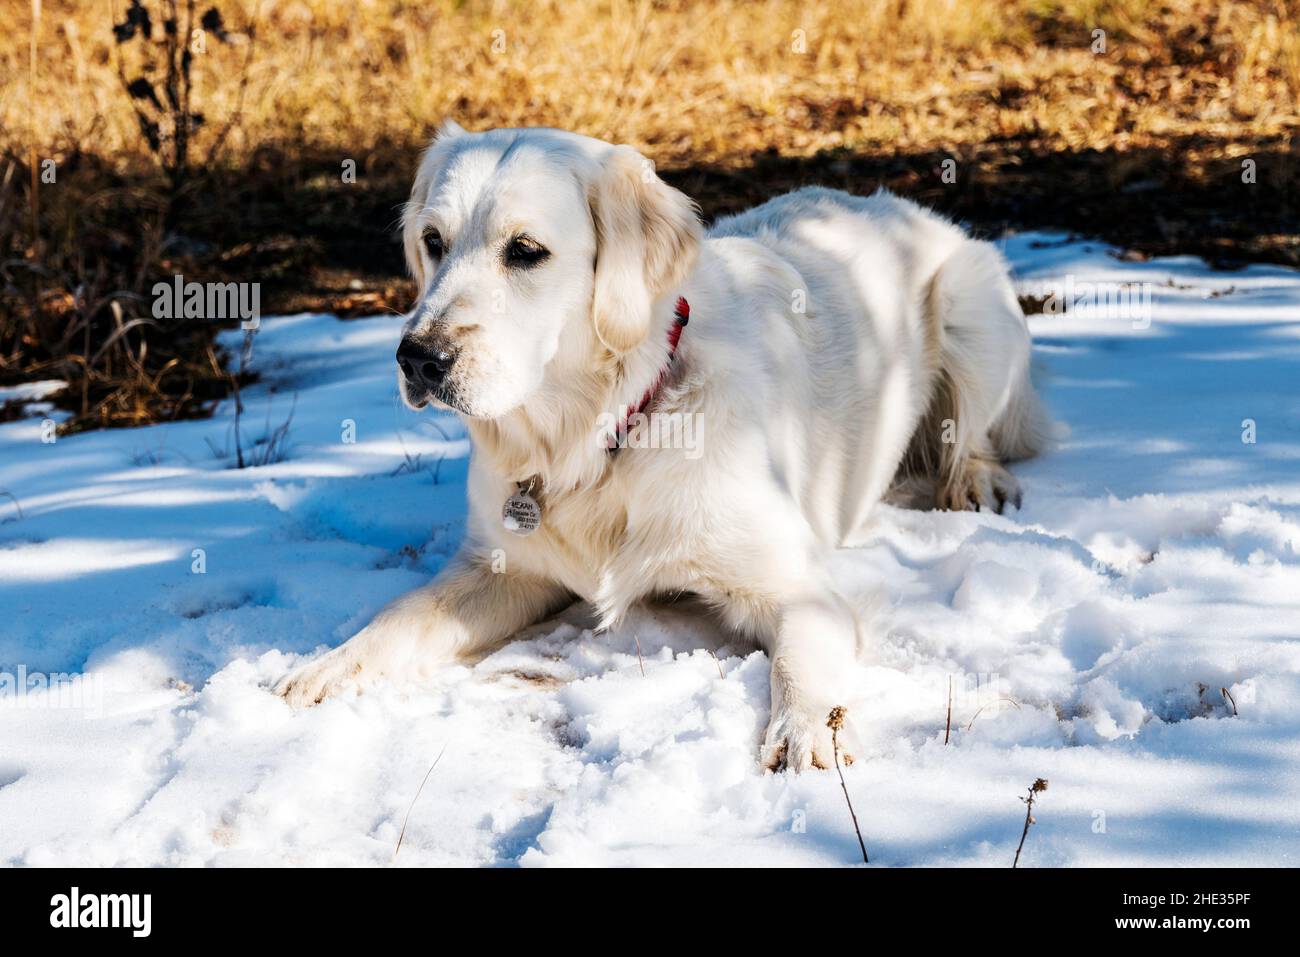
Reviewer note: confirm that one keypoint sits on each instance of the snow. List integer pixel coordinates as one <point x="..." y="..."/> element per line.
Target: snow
<point x="1087" y="639"/>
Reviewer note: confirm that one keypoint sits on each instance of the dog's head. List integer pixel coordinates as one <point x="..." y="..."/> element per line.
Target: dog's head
<point x="527" y="244"/>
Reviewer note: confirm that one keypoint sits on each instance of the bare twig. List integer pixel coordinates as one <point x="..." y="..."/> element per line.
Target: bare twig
<point x="406" y="819"/>
<point x="239" y="399"/>
<point x="34" y="201"/>
<point x="947" y="728"/>
<point x="1227" y="696"/>
<point x="835" y="722"/>
<point x="13" y="498"/>
<point x="980" y="710"/>
<point x="219" y="142"/>
<point x="275" y="441"/>
<point x="1037" y="787"/>
<point x="718" y="663"/>
<point x="640" y="660"/>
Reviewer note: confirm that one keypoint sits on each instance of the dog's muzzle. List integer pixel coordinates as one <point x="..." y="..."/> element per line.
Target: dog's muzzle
<point x="425" y="363"/>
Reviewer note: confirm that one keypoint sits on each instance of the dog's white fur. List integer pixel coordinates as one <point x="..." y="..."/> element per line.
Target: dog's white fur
<point x="839" y="348"/>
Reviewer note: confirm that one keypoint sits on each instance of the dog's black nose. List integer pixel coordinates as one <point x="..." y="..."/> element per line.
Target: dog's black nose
<point x="424" y="364"/>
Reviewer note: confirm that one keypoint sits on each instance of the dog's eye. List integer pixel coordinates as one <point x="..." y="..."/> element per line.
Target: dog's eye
<point x="525" y="252"/>
<point x="433" y="243"/>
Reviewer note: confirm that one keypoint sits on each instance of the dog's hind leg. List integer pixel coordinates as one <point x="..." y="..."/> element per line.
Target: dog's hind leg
<point x="983" y="409"/>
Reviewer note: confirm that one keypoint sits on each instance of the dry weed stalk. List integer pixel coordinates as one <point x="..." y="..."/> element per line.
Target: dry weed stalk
<point x="1038" y="787"/>
<point x="1005" y="699"/>
<point x="947" y="728"/>
<point x="5" y="493"/>
<point x="418" y="791"/>
<point x="1227" y="696"/>
<point x="836" y="722"/>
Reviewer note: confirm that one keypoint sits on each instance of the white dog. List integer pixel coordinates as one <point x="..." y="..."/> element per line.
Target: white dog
<point x="838" y="348"/>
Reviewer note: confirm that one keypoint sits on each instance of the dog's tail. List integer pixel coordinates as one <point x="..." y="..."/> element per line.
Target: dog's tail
<point x="982" y="405"/>
<point x="1024" y="429"/>
<point x="984" y="357"/>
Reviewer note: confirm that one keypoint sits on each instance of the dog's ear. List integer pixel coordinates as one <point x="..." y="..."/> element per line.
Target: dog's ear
<point x="449" y="129"/>
<point x="411" y="237"/>
<point x="429" y="163"/>
<point x="647" y="239"/>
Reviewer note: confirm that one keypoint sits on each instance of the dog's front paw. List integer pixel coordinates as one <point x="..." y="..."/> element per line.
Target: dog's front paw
<point x="317" y="680"/>
<point x="800" y="738"/>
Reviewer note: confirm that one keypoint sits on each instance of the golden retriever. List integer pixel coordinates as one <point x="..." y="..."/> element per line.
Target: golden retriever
<point x="809" y="357"/>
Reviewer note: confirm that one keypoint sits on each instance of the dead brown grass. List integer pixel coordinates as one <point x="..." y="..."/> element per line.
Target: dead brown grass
<point x="735" y="100"/>
<point x="691" y="83"/>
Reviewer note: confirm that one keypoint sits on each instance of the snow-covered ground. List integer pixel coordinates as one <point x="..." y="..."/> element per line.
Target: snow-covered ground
<point x="1088" y="639"/>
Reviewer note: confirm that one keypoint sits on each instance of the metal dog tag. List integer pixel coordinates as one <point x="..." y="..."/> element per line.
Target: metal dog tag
<point x="521" y="514"/>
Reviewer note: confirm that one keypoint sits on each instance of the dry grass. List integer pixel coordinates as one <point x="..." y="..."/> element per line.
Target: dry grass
<point x="736" y="100"/>
<point x="692" y="83"/>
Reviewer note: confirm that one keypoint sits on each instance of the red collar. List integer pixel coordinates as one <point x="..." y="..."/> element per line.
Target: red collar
<point x="681" y="316"/>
